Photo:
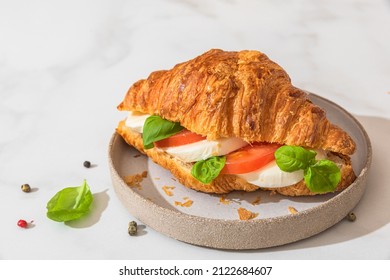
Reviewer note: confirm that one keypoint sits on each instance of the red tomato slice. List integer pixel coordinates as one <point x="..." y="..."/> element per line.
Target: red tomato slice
<point x="249" y="158"/>
<point x="183" y="137"/>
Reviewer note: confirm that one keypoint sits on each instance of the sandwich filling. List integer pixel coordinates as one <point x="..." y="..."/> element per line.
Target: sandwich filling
<point x="253" y="162"/>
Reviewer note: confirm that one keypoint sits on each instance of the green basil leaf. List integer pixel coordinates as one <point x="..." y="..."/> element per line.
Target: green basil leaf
<point x="322" y="177"/>
<point x="293" y="158"/>
<point x="70" y="203"/>
<point x="209" y="169"/>
<point x="156" y="128"/>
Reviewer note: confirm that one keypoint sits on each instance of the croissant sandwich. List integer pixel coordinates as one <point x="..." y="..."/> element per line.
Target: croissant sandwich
<point x="227" y="121"/>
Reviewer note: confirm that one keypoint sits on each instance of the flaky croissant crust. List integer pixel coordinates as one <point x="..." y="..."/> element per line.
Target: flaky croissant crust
<point x="242" y="94"/>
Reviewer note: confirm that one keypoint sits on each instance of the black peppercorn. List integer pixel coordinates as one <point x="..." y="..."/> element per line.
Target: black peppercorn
<point x="87" y="164"/>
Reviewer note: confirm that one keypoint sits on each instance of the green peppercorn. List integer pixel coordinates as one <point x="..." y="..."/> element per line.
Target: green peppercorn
<point x="26" y="188"/>
<point x="351" y="217"/>
<point x="87" y="164"/>
<point x="132" y="230"/>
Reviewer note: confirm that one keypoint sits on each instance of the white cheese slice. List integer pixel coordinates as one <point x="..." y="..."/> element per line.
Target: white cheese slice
<point x="204" y="149"/>
<point x="135" y="121"/>
<point x="270" y="176"/>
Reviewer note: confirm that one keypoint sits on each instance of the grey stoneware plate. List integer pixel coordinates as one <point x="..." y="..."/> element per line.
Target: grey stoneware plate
<point x="163" y="204"/>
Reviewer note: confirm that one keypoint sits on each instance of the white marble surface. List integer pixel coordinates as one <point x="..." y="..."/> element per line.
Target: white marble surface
<point x="66" y="65"/>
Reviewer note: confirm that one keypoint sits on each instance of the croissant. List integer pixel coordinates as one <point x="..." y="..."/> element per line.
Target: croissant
<point x="235" y="94"/>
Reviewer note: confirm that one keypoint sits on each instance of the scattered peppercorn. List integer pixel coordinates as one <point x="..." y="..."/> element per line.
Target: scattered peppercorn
<point x="351" y="217"/>
<point x="87" y="164"/>
<point x="22" y="224"/>
<point x="26" y="188"/>
<point x="132" y="228"/>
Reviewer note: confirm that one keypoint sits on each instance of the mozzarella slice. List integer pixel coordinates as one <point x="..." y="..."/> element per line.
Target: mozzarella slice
<point x="135" y="121"/>
<point x="270" y="176"/>
<point x="204" y="149"/>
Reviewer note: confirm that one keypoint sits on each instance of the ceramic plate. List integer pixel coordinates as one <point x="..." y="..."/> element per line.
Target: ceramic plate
<point x="163" y="204"/>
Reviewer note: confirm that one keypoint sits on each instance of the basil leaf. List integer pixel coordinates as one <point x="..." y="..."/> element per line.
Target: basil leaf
<point x="322" y="177"/>
<point x="156" y="128"/>
<point x="293" y="158"/>
<point x="70" y="203"/>
<point x="209" y="169"/>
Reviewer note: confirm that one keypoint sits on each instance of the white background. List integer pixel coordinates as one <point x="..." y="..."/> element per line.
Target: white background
<point x="66" y="65"/>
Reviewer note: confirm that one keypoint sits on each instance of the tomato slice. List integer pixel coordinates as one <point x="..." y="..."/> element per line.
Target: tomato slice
<point x="183" y="137"/>
<point x="249" y="158"/>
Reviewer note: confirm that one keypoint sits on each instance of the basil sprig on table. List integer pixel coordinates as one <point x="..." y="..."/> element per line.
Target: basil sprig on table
<point x="70" y="203"/>
<point x="156" y="128"/>
<point x="207" y="170"/>
<point x="320" y="175"/>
